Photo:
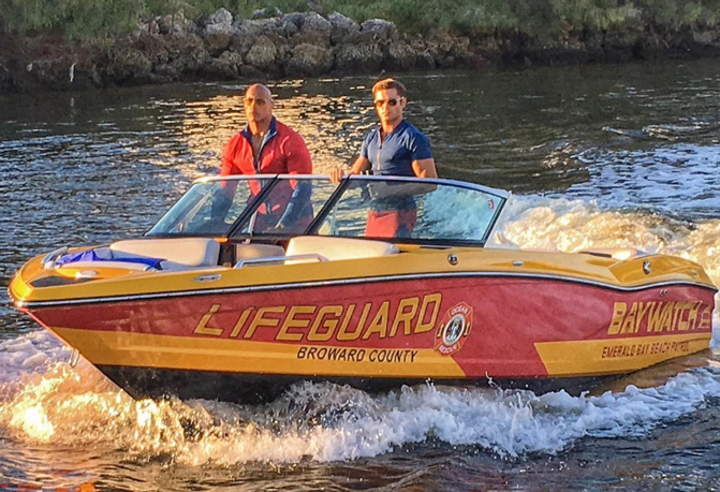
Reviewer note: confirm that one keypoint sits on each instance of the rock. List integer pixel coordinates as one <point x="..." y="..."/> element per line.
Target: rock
<point x="269" y="27"/>
<point x="358" y="57"/>
<point x="313" y="22"/>
<point x="315" y="29"/>
<point x="250" y="72"/>
<point x="221" y="22"/>
<point x="191" y="63"/>
<point x="425" y="61"/>
<point x="153" y="46"/>
<point x="309" y="59"/>
<point x="148" y="27"/>
<point x="266" y="13"/>
<point x="225" y="67"/>
<point x="312" y="29"/>
<point x="247" y="28"/>
<point x="175" y="24"/>
<point x="220" y="17"/>
<point x="342" y="27"/>
<point x="180" y="45"/>
<point x="287" y="27"/>
<point x="283" y="27"/>
<point x="383" y="30"/>
<point x="399" y="56"/>
<point x="217" y="43"/>
<point x="212" y="29"/>
<point x="166" y="73"/>
<point x="187" y="53"/>
<point x="127" y="64"/>
<point x="295" y="18"/>
<point x="263" y="54"/>
<point x="439" y="45"/>
<point x="248" y="33"/>
<point x="461" y="45"/>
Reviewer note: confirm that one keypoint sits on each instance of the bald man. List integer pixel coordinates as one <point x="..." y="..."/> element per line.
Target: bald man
<point x="266" y="146"/>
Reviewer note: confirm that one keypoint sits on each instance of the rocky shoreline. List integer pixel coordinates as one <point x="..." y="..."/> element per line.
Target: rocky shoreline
<point x="174" y="49"/>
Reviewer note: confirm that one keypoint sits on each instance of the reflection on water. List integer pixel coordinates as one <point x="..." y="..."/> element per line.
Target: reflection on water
<point x="596" y="156"/>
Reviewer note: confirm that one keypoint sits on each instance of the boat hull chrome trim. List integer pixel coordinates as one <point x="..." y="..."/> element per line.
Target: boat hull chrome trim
<point x="339" y="282"/>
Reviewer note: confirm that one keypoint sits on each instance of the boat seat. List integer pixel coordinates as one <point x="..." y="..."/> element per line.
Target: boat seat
<point x="258" y="250"/>
<point x="615" y="253"/>
<point x="338" y="248"/>
<point x="176" y="253"/>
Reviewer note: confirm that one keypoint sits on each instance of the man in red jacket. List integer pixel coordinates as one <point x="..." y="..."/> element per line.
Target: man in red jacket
<point x="267" y="146"/>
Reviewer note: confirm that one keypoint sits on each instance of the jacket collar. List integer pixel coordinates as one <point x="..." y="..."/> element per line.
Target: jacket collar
<point x="272" y="131"/>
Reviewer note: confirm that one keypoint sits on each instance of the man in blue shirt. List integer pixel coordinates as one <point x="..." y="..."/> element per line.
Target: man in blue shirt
<point x="393" y="148"/>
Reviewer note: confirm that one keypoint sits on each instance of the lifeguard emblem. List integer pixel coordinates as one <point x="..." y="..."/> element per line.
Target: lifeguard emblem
<point x="454" y="329"/>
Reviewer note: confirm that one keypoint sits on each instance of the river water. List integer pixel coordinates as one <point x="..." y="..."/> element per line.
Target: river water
<point x="596" y="156"/>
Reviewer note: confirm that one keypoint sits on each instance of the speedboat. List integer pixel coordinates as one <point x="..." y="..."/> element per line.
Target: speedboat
<point x="249" y="284"/>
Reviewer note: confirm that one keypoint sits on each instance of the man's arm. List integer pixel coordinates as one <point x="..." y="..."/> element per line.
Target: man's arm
<point x="228" y="157"/>
<point x="298" y="156"/>
<point x="425" y="168"/>
<point x="361" y="164"/>
<point x="298" y="162"/>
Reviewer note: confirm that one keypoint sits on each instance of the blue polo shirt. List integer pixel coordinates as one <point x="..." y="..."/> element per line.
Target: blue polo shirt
<point x="395" y="155"/>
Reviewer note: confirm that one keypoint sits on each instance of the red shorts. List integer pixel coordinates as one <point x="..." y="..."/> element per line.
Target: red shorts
<point x="391" y="223"/>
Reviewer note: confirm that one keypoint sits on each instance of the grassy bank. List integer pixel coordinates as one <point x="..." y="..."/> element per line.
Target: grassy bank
<point x="541" y="19"/>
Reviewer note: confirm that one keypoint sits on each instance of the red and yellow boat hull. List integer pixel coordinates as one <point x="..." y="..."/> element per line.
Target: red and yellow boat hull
<point x="557" y="318"/>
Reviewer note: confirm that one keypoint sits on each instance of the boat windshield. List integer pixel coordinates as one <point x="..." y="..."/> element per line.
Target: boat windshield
<point x="379" y="207"/>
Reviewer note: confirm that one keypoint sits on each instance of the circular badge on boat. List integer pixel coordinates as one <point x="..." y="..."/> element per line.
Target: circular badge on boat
<point x="454" y="329"/>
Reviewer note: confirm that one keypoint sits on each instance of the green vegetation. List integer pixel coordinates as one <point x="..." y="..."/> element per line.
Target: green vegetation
<point x="535" y="18"/>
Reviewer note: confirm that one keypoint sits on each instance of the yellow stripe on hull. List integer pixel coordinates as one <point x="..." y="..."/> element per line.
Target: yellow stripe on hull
<point x="611" y="356"/>
<point x="240" y="356"/>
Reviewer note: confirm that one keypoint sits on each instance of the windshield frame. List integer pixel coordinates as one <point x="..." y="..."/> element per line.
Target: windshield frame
<point x="233" y="232"/>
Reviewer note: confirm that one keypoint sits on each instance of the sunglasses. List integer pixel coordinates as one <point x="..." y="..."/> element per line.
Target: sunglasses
<point x="257" y="100"/>
<point x="389" y="102"/>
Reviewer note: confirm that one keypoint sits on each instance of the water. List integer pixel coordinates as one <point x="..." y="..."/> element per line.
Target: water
<point x="596" y="157"/>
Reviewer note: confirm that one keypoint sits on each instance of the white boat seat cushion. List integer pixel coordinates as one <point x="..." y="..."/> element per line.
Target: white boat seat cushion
<point x="339" y="248"/>
<point x="176" y="253"/>
<point x="258" y="250"/>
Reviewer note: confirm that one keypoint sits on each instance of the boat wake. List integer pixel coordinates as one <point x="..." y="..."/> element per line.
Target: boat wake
<point x="677" y="180"/>
<point x="55" y="404"/>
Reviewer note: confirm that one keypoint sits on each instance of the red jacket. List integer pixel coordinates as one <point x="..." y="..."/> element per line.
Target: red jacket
<point x="282" y="152"/>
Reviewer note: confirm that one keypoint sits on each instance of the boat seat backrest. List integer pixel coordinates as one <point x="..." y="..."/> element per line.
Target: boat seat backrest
<point x="176" y="253"/>
<point x="339" y="248"/>
<point x="258" y="250"/>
